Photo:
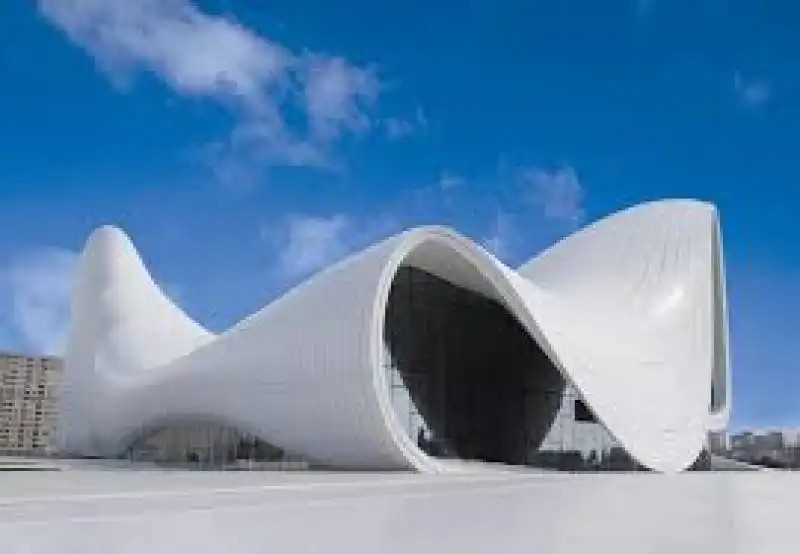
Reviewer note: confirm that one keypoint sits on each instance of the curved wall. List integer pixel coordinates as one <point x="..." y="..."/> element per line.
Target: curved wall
<point x="627" y="311"/>
<point x="640" y="290"/>
<point x="721" y="375"/>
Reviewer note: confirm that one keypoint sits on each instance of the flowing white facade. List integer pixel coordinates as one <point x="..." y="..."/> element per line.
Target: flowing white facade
<point x="630" y="310"/>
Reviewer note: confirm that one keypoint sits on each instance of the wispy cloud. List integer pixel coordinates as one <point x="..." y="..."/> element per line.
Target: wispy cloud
<point x="337" y="95"/>
<point x="558" y="192"/>
<point x="306" y="243"/>
<point x="216" y="58"/>
<point x="448" y="181"/>
<point x="500" y="237"/>
<point x="39" y="286"/>
<point x="310" y="242"/>
<point x="195" y="54"/>
<point x="512" y="212"/>
<point x="38" y="290"/>
<point x="399" y="128"/>
<point x="752" y="92"/>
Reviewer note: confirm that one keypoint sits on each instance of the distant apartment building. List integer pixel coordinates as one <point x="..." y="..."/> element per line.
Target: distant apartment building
<point x="757" y="441"/>
<point x="777" y="446"/>
<point x="718" y="442"/>
<point x="28" y="386"/>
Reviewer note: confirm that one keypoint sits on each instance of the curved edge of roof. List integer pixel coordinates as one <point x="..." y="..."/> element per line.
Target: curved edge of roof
<point x="666" y="438"/>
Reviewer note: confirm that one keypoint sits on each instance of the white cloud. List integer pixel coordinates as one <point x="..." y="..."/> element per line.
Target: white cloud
<point x="752" y="92"/>
<point x="558" y="192"/>
<point x="39" y="288"/>
<point x="399" y="128"/>
<point x="499" y="238"/>
<point x="336" y="95"/>
<point x="257" y="144"/>
<point x="39" y="284"/>
<point x="194" y="53"/>
<point x="306" y="243"/>
<point x="216" y="58"/>
<point x="448" y="181"/>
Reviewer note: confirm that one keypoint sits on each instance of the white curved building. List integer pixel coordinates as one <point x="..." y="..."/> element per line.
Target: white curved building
<point x="422" y="339"/>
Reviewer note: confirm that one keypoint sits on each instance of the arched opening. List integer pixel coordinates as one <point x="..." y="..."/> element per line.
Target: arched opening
<point x="465" y="378"/>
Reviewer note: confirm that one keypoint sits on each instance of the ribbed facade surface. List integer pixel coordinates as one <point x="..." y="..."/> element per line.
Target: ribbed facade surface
<point x="629" y="311"/>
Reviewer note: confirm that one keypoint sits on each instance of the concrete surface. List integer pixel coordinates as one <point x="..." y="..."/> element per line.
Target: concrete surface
<point x="19" y="463"/>
<point x="87" y="511"/>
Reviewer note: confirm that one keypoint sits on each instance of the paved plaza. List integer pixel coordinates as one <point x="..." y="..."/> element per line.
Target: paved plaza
<point x="87" y="511"/>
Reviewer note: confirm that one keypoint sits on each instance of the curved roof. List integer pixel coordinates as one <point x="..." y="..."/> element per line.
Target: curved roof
<point x="629" y="309"/>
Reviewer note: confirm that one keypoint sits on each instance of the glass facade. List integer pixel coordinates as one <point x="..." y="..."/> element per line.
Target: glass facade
<point x="466" y="381"/>
<point x="208" y="446"/>
<point x="576" y="441"/>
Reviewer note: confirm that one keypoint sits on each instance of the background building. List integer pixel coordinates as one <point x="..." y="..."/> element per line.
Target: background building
<point x="778" y="448"/>
<point x="718" y="442"/>
<point x="28" y="388"/>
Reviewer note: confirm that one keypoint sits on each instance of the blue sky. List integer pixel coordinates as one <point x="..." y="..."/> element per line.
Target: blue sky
<point x="244" y="144"/>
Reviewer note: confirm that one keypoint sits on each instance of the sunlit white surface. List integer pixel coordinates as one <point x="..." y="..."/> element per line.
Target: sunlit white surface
<point x="631" y="310"/>
<point x="134" y="512"/>
<point x="635" y="309"/>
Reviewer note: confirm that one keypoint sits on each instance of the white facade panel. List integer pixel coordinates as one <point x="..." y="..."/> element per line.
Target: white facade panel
<point x="630" y="310"/>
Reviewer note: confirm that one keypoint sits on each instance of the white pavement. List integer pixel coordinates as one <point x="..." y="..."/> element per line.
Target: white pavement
<point x="84" y="512"/>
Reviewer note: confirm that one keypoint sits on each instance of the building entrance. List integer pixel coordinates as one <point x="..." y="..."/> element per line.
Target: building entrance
<point x="465" y="378"/>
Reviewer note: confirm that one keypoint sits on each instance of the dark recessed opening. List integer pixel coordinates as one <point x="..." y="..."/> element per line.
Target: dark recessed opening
<point x="481" y="385"/>
<point x="583" y="413"/>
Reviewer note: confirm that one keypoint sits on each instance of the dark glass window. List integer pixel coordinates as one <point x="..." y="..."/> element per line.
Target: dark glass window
<point x="583" y="413"/>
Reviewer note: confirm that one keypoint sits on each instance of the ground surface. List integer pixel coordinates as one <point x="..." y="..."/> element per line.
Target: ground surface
<point x="87" y="511"/>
